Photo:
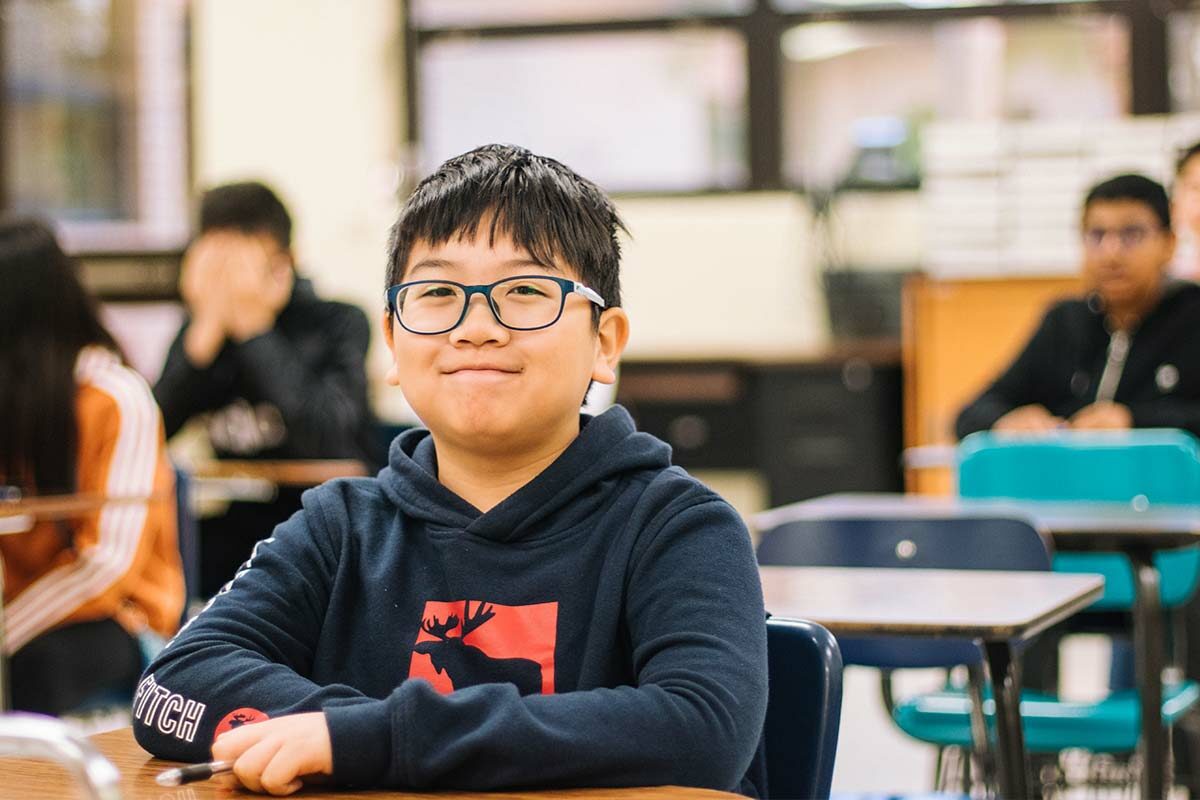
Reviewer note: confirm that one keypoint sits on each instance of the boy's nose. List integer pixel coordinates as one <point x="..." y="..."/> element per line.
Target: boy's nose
<point x="479" y="324"/>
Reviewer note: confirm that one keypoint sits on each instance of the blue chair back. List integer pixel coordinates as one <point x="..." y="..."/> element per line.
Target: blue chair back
<point x="1158" y="465"/>
<point x="804" y="708"/>
<point x="189" y="540"/>
<point x="917" y="542"/>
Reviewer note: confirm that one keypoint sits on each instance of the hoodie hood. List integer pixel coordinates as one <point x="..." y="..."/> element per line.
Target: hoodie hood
<point x="608" y="449"/>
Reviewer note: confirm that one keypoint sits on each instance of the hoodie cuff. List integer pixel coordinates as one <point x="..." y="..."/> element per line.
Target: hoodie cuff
<point x="360" y="737"/>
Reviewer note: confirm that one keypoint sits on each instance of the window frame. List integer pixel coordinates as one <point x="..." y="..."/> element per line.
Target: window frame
<point x="151" y="254"/>
<point x="762" y="29"/>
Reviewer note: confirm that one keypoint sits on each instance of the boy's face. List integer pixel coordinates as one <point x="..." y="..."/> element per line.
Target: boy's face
<point x="1126" y="251"/>
<point x="489" y="389"/>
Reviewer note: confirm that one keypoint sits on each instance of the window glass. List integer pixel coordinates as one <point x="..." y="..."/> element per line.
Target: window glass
<point x="637" y="111"/>
<point x="95" y="120"/>
<point x="856" y="94"/>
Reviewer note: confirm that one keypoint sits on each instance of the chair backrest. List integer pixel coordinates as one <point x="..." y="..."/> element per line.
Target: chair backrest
<point x="914" y="542"/>
<point x="1155" y="466"/>
<point x="804" y="710"/>
<point x="188" y="538"/>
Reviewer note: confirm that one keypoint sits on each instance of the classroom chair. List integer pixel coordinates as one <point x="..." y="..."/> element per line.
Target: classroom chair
<point x="924" y="542"/>
<point x="803" y="710"/>
<point x="1142" y="467"/>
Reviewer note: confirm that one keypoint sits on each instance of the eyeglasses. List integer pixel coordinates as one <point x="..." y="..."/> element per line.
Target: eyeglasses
<point x="520" y="303"/>
<point x="1128" y="237"/>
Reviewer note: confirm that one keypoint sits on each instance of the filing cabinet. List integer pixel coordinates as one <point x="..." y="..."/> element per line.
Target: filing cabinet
<point x="809" y="426"/>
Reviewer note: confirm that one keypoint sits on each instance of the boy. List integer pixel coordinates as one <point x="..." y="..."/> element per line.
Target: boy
<point x="275" y="371"/>
<point x="1124" y="356"/>
<point x="524" y="596"/>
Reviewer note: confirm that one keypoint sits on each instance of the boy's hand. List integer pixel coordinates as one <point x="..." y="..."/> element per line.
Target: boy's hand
<point x="1103" y="416"/>
<point x="273" y="755"/>
<point x="259" y="286"/>
<point x="202" y="286"/>
<point x="1028" y="419"/>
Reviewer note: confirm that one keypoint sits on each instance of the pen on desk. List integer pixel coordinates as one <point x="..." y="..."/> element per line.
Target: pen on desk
<point x="195" y="772"/>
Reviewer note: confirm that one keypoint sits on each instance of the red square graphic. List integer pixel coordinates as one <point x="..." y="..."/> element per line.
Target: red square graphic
<point x="501" y="644"/>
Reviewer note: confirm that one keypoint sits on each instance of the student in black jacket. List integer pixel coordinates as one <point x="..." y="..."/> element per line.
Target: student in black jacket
<point x="526" y="596"/>
<point x="1127" y="354"/>
<point x="274" y="371"/>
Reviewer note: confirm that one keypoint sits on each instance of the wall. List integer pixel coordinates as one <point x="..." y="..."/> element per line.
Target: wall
<point x="721" y="276"/>
<point x="307" y="95"/>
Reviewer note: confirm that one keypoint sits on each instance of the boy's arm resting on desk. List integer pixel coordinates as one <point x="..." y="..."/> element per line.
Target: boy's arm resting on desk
<point x="694" y="613"/>
<point x="247" y="656"/>
<point x="324" y="408"/>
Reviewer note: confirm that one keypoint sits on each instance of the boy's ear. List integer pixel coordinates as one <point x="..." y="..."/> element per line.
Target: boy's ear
<point x="611" y="337"/>
<point x="391" y="376"/>
<point x="1169" y="253"/>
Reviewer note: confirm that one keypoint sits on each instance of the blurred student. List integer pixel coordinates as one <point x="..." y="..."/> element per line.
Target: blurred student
<point x="274" y="371"/>
<point x="75" y="418"/>
<point x="1125" y="355"/>
<point x="526" y="596"/>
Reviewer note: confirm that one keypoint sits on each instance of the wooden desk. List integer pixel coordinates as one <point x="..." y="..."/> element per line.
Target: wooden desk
<point x="22" y="779"/>
<point x="290" y="473"/>
<point x="1074" y="526"/>
<point x="216" y="483"/>
<point x="998" y="609"/>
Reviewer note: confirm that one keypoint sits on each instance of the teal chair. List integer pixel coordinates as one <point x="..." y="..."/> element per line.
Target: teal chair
<point x="1140" y="467"/>
<point x="1154" y="466"/>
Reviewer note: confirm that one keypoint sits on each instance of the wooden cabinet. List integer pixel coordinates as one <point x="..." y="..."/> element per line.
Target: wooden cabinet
<point x="956" y="337"/>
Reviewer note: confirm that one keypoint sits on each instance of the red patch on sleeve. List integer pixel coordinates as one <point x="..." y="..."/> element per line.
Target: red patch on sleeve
<point x="237" y="718"/>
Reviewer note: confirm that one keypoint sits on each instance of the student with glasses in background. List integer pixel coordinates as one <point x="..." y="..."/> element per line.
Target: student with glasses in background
<point x="1126" y="354"/>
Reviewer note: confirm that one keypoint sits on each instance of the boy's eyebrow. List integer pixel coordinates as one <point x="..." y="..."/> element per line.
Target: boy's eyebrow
<point x="444" y="263"/>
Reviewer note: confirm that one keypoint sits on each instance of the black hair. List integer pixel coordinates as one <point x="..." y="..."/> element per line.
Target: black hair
<point x="1137" y="188"/>
<point x="1185" y="155"/>
<point x="249" y="207"/>
<point x="541" y="204"/>
<point x="46" y="318"/>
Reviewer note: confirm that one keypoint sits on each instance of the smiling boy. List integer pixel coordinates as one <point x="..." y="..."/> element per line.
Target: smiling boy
<point x="1124" y="356"/>
<point x="525" y="596"/>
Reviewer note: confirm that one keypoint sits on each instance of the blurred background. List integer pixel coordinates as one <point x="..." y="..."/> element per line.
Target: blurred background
<point x="785" y="168"/>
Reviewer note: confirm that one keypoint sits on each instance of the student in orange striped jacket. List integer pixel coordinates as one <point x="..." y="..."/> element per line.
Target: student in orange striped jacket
<point x="74" y="418"/>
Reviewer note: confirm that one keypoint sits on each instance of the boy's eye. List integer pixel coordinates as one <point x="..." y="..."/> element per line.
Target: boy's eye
<point x="527" y="289"/>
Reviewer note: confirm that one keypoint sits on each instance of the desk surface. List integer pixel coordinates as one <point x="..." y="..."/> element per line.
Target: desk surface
<point x="281" y="473"/>
<point x="1078" y="524"/>
<point x="43" y="780"/>
<point x="974" y="604"/>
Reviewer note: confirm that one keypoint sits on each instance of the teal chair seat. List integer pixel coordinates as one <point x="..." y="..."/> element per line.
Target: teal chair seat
<point x="1109" y="725"/>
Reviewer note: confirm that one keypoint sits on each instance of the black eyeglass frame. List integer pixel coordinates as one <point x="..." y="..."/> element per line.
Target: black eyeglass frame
<point x="567" y="285"/>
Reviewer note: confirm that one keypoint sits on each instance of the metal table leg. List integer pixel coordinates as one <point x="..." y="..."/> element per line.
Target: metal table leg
<point x="1013" y="771"/>
<point x="1148" y="663"/>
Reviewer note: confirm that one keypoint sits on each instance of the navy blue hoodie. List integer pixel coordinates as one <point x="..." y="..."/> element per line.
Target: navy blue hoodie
<point x="602" y="626"/>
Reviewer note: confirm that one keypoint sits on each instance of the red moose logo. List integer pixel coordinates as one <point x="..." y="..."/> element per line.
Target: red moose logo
<point x="508" y="644"/>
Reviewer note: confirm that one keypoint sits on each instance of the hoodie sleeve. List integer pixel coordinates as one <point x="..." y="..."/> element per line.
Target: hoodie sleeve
<point x="694" y="716"/>
<point x="323" y="405"/>
<point x="243" y="658"/>
<point x="1022" y="383"/>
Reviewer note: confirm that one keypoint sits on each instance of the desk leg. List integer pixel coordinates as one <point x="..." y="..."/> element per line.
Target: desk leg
<point x="1010" y="738"/>
<point x="1148" y="662"/>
